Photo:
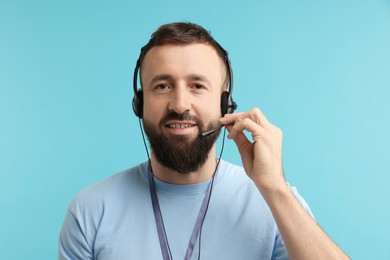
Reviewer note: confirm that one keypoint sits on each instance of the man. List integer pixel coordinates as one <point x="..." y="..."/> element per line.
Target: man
<point x="185" y="202"/>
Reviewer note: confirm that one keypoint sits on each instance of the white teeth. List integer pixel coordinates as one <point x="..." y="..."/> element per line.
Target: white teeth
<point x="179" y="126"/>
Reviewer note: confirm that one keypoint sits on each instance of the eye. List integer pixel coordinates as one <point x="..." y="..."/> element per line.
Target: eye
<point x="198" y="86"/>
<point x="161" y="87"/>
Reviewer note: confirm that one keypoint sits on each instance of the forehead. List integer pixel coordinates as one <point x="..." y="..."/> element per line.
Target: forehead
<point x="182" y="60"/>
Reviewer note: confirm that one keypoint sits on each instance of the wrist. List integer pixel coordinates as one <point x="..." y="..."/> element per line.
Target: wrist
<point x="276" y="190"/>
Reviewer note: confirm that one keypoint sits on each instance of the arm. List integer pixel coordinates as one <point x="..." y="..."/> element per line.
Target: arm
<point x="262" y="161"/>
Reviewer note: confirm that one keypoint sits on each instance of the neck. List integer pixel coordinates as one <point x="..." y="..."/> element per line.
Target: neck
<point x="203" y="174"/>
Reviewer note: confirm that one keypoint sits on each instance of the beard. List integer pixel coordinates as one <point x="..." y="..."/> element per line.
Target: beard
<point x="178" y="152"/>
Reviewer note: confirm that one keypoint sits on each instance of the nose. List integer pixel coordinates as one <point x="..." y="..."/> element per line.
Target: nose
<point x="180" y="100"/>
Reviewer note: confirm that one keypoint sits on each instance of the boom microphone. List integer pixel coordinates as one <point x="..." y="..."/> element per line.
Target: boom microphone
<point x="212" y="131"/>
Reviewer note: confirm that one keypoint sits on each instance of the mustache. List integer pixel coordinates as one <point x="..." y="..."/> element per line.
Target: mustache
<point x="186" y="116"/>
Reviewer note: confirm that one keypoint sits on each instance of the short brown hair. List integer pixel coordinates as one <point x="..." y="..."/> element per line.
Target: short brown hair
<point x="181" y="33"/>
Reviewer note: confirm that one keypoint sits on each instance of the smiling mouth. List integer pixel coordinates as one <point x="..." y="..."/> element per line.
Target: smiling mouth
<point x="180" y="125"/>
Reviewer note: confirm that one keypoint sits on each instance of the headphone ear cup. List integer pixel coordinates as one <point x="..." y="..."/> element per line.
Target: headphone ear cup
<point x="227" y="104"/>
<point x="138" y="103"/>
<point x="224" y="102"/>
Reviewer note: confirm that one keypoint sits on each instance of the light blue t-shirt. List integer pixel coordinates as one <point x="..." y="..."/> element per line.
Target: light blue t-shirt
<point x="114" y="219"/>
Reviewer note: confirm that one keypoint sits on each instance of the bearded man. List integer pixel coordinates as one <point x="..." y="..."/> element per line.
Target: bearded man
<point x="184" y="201"/>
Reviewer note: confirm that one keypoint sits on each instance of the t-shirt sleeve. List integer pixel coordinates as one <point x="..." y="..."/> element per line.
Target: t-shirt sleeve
<point x="72" y="241"/>
<point x="280" y="251"/>
<point x="302" y="201"/>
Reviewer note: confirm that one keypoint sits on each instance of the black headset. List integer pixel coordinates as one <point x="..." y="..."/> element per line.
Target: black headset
<point x="227" y="104"/>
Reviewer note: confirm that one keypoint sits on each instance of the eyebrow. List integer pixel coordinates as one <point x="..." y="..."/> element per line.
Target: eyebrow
<point x="198" y="77"/>
<point x="167" y="77"/>
<point x="162" y="77"/>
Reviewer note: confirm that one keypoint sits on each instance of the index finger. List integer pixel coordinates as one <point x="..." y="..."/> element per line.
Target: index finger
<point x="254" y="114"/>
<point x="230" y="118"/>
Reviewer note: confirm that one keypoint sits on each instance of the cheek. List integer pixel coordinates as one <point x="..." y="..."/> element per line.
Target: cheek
<point x="152" y="110"/>
<point x="211" y="108"/>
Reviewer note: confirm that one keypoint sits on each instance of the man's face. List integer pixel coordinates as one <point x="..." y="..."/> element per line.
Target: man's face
<point x="182" y="88"/>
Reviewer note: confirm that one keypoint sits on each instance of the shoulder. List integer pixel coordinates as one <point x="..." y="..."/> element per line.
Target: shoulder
<point x="236" y="175"/>
<point x="119" y="185"/>
<point x="233" y="182"/>
<point x="230" y="173"/>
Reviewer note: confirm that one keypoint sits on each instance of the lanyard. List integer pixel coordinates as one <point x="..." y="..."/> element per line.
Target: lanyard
<point x="160" y="223"/>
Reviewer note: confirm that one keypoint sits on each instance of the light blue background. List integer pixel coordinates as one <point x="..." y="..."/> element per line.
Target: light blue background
<point x="320" y="70"/>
